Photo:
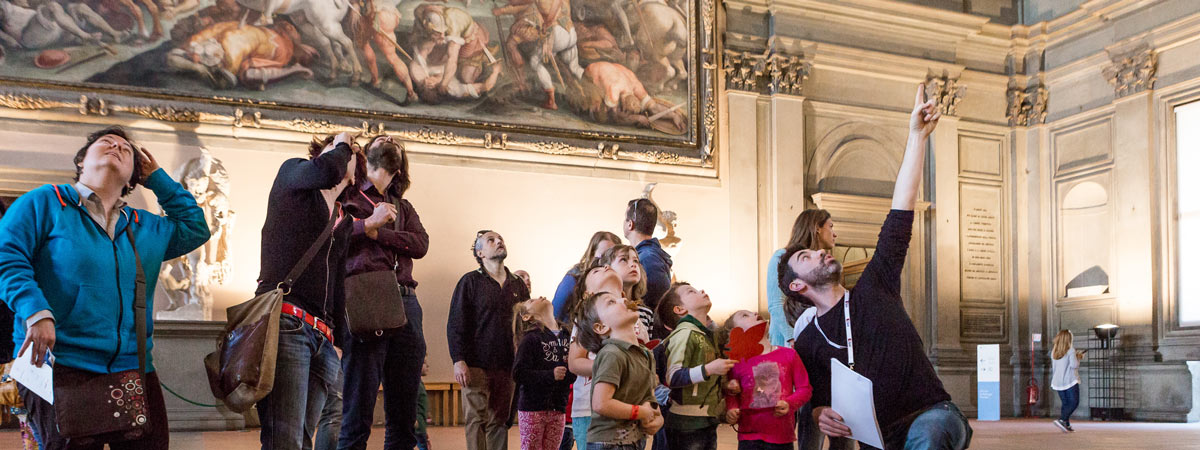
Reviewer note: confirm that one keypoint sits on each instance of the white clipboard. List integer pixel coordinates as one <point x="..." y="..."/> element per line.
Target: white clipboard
<point x="853" y="399"/>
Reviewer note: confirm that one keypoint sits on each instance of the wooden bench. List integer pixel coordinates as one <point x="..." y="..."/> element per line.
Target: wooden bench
<point x="444" y="403"/>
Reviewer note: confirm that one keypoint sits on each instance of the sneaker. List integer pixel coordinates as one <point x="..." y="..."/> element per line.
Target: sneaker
<point x="1062" y="426"/>
<point x="1069" y="428"/>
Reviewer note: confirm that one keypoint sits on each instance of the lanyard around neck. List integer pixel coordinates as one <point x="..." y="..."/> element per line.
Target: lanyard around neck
<point x="849" y="337"/>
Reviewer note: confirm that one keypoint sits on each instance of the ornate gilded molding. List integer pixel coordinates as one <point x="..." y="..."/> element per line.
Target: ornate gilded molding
<point x="242" y="118"/>
<point x="946" y="90"/>
<point x="1027" y="106"/>
<point x="1132" y="72"/>
<point x="708" y="73"/>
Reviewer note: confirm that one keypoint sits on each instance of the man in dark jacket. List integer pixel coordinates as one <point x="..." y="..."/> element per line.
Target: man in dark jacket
<point x="641" y="215"/>
<point x="303" y="201"/>
<point x="479" y="331"/>
<point x="866" y="328"/>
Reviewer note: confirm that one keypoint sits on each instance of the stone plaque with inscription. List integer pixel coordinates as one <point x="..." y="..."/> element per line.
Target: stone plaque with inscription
<point x="985" y="325"/>
<point x="979" y="241"/>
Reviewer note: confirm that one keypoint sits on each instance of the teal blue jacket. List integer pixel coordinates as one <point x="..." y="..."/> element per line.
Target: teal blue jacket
<point x="54" y="256"/>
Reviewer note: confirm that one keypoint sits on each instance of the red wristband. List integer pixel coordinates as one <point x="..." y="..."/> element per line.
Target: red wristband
<point x="635" y="411"/>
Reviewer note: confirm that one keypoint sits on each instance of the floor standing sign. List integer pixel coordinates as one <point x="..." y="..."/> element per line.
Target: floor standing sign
<point x="989" y="382"/>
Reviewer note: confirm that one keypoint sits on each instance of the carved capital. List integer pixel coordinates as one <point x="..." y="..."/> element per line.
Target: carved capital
<point x="770" y="73"/>
<point x="742" y="70"/>
<point x="1132" y="72"/>
<point x="1027" y="106"/>
<point x="786" y="74"/>
<point x="946" y="90"/>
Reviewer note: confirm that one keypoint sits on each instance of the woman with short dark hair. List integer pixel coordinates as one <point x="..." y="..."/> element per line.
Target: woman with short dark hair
<point x="69" y="257"/>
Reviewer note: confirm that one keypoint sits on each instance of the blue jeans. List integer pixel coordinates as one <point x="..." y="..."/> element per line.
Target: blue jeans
<point x="702" y="439"/>
<point x="395" y="361"/>
<point x="580" y="425"/>
<point x="941" y="427"/>
<point x="330" y="424"/>
<point x="306" y="368"/>
<point x="568" y="439"/>
<point x="1070" y="401"/>
<point x="640" y="445"/>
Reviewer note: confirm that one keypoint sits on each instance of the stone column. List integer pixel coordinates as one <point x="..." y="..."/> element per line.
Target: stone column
<point x="946" y="289"/>
<point x="740" y="174"/>
<point x="781" y="176"/>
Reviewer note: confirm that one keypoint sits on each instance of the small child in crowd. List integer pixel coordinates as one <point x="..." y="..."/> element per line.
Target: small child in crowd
<point x="773" y="385"/>
<point x="624" y="411"/>
<point x="540" y="371"/>
<point x="422" y="411"/>
<point x="694" y="372"/>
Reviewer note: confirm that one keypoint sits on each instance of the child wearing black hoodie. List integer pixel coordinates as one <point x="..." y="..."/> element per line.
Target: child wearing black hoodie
<point x="540" y="371"/>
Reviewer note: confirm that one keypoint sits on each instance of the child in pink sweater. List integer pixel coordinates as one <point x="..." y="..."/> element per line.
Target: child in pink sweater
<point x="772" y="382"/>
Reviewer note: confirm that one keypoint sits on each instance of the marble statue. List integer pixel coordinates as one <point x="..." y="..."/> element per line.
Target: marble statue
<point x="187" y="281"/>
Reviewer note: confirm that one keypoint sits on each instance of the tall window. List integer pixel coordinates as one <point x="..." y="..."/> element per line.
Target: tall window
<point x="1187" y="191"/>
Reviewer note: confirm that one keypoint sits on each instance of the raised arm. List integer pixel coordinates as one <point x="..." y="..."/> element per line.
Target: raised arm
<point x="323" y="172"/>
<point x="921" y="123"/>
<point x="188" y="228"/>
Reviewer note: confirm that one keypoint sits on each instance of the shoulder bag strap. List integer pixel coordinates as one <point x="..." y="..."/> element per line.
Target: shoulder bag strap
<point x="286" y="284"/>
<point x="139" y="303"/>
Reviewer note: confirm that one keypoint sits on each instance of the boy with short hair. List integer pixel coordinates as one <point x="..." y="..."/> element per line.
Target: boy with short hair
<point x="694" y="370"/>
<point x="623" y="409"/>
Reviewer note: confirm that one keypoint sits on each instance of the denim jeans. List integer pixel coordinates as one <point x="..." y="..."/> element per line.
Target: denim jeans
<point x="580" y="426"/>
<point x="764" y="445"/>
<point x="702" y="439"/>
<point x="808" y="436"/>
<point x="568" y="438"/>
<point x="305" y="369"/>
<point x="1070" y="401"/>
<point x="940" y="427"/>
<point x="662" y="396"/>
<point x="330" y="424"/>
<point x="395" y="361"/>
<point x="640" y="445"/>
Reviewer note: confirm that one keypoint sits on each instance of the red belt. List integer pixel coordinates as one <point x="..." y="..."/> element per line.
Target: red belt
<point x="311" y="320"/>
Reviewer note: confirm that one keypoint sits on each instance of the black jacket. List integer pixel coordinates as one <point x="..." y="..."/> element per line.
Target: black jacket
<point x="479" y="328"/>
<point x="296" y="216"/>
<point x="540" y="351"/>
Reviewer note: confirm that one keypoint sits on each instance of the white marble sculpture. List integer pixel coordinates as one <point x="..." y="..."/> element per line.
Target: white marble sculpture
<point x="187" y="281"/>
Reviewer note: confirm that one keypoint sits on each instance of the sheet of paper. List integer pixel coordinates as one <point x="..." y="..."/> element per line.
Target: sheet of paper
<point x="853" y="399"/>
<point x="40" y="380"/>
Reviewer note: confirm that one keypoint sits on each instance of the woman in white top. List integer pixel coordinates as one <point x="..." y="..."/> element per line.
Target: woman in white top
<point x="1066" y="377"/>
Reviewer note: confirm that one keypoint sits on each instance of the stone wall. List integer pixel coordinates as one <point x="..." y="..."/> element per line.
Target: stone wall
<point x="1047" y="174"/>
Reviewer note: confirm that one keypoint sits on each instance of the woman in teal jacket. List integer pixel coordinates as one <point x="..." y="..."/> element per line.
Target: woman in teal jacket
<point x="67" y="269"/>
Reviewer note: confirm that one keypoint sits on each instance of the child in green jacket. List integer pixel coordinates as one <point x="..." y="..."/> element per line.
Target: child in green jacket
<point x="694" y="372"/>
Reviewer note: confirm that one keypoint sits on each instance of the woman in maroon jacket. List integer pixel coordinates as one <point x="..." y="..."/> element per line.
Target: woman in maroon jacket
<point x="390" y="239"/>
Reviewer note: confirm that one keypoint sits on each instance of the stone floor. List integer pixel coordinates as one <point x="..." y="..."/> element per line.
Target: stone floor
<point x="1016" y="434"/>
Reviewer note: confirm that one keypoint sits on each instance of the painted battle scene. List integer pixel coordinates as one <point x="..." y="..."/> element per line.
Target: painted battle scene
<point x="594" y="66"/>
